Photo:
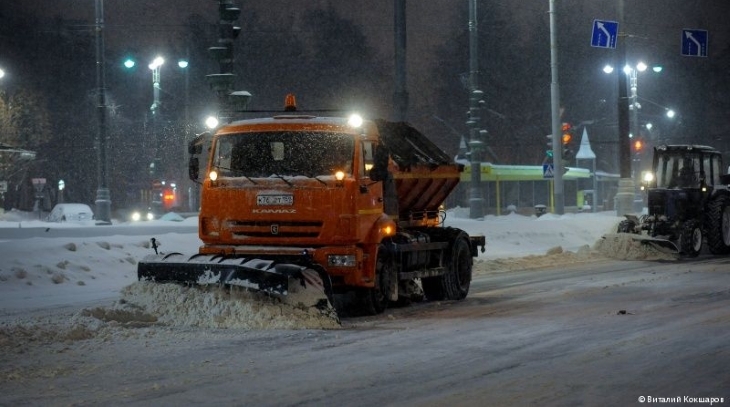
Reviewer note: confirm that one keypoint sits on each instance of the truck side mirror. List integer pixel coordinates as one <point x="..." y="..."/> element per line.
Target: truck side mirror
<point x="195" y="148"/>
<point x="193" y="168"/>
<point x="379" y="172"/>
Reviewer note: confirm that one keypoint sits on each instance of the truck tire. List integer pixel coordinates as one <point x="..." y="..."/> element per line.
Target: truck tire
<point x="690" y="239"/>
<point x="717" y="225"/>
<point x="375" y="300"/>
<point x="458" y="275"/>
<point x="454" y="283"/>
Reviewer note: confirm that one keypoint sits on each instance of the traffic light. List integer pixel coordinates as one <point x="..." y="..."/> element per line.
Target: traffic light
<point x="228" y="30"/>
<point x="567" y="130"/>
<point x="223" y="81"/>
<point x="549" y="150"/>
<point x="567" y="137"/>
<point x="638" y="146"/>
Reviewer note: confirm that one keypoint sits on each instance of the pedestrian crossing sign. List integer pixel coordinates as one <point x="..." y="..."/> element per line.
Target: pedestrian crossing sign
<point x="547" y="171"/>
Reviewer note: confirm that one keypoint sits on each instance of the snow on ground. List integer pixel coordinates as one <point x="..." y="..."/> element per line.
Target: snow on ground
<point x="40" y="273"/>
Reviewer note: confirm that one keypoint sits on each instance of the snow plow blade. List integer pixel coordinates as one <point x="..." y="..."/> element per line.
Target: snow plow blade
<point x="269" y="276"/>
<point x="663" y="245"/>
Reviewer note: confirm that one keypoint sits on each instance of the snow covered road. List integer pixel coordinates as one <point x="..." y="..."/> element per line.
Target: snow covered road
<point x="601" y="332"/>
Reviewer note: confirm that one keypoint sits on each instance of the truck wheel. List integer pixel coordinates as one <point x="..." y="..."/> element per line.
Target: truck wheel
<point x="717" y="225"/>
<point x="375" y="300"/>
<point x="690" y="240"/>
<point x="454" y="284"/>
<point x="458" y="274"/>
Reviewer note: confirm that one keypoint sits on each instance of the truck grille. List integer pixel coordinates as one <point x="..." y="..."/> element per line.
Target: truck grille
<point x="241" y="229"/>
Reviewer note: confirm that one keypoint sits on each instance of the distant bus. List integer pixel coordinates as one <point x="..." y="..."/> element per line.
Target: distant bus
<point x="165" y="196"/>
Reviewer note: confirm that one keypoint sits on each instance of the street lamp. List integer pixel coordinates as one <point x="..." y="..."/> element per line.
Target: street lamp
<point x="632" y="73"/>
<point x="155" y="68"/>
<point x="211" y="122"/>
<point x="183" y="64"/>
<point x="61" y="186"/>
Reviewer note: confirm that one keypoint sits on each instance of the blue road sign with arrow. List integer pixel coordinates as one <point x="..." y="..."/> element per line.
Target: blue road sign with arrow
<point x="694" y="43"/>
<point x="604" y="34"/>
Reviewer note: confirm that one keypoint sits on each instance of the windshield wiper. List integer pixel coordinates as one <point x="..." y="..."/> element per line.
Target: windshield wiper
<point x="281" y="177"/>
<point x="236" y="172"/>
<point x="308" y="175"/>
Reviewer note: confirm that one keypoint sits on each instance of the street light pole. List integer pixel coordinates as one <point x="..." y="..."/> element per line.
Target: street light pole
<point x="155" y="68"/>
<point x="103" y="197"/>
<point x="626" y="188"/>
<point x="558" y="190"/>
<point x="184" y="185"/>
<point x="401" y="91"/>
<point x="476" y="142"/>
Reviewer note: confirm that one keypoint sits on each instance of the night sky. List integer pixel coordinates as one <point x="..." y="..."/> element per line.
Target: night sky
<point x="654" y="28"/>
<point x="654" y="25"/>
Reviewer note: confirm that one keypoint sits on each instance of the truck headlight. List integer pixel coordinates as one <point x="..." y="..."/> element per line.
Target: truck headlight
<point x="355" y="120"/>
<point x="341" y="260"/>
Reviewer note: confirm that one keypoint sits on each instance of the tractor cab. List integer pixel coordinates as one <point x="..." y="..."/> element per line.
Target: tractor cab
<point x="684" y="167"/>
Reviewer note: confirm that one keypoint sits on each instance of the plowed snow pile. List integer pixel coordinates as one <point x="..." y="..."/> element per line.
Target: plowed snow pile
<point x="173" y="304"/>
<point x="619" y="246"/>
<point x="149" y="305"/>
<point x="177" y="305"/>
<point x="624" y="246"/>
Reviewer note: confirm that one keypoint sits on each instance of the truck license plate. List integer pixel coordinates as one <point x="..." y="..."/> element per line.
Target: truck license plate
<point x="275" y="200"/>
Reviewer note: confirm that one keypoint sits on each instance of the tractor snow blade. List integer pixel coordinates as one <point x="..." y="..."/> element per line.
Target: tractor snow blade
<point x="663" y="245"/>
<point x="254" y="274"/>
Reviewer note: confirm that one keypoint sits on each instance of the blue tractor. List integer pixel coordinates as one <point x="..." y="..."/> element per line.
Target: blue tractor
<point x="688" y="202"/>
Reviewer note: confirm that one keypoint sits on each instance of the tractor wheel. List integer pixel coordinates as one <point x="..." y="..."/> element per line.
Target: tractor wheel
<point x="690" y="240"/>
<point x="717" y="225"/>
<point x="454" y="283"/>
<point x="375" y="300"/>
<point x="625" y="226"/>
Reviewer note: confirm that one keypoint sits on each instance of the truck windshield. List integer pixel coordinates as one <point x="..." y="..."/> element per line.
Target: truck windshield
<point x="288" y="153"/>
<point x="678" y="170"/>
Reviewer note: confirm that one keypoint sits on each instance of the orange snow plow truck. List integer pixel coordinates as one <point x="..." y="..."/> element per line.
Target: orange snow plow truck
<point x="333" y="205"/>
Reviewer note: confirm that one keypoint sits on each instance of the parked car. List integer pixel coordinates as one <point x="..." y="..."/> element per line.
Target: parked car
<point x="70" y="212"/>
